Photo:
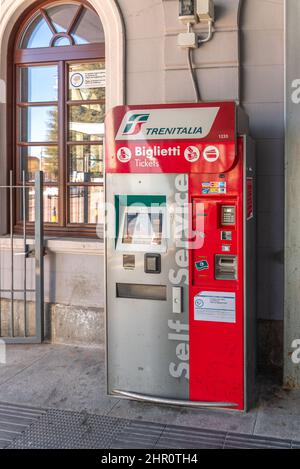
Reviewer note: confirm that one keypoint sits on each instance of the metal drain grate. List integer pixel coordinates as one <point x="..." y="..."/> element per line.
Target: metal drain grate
<point x="69" y="430"/>
<point x="14" y="420"/>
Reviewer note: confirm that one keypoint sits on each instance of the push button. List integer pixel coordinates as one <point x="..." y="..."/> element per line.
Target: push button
<point x="152" y="263"/>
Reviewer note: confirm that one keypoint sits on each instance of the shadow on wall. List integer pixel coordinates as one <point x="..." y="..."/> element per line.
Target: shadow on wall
<point x="262" y="96"/>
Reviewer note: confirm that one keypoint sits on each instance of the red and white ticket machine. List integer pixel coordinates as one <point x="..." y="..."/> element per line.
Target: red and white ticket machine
<point x="180" y="255"/>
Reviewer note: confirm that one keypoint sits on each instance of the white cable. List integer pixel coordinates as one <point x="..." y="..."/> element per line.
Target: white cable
<point x="209" y="35"/>
<point x="190" y="59"/>
<point x="193" y="75"/>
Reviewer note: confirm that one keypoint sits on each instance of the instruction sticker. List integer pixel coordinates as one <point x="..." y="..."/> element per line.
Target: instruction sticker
<point x="88" y="79"/>
<point x="218" y="187"/>
<point x="215" y="307"/>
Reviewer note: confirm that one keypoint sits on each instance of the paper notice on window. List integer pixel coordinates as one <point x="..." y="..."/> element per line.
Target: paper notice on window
<point x="215" y="307"/>
<point x="88" y="79"/>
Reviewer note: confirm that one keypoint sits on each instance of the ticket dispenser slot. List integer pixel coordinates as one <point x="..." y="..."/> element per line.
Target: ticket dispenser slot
<point x="225" y="267"/>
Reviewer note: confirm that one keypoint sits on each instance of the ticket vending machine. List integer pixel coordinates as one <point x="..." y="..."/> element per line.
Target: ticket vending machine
<point x="180" y="255"/>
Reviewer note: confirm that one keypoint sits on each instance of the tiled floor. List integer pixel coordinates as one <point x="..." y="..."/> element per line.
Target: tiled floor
<point x="73" y="378"/>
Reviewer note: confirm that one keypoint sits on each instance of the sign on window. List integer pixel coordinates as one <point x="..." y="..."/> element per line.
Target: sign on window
<point x="88" y="79"/>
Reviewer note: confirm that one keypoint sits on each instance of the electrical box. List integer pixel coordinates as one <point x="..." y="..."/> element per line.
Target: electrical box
<point x="180" y="255"/>
<point x="187" y="40"/>
<point x="187" y="11"/>
<point x="205" y="10"/>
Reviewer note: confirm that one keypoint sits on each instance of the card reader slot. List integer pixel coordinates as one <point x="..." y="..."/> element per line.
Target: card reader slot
<point x="141" y="292"/>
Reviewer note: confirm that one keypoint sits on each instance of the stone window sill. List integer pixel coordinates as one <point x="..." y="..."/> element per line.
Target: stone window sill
<point x="80" y="246"/>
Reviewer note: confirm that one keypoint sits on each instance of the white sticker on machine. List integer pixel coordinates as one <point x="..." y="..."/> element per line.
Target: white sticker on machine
<point x="215" y="307"/>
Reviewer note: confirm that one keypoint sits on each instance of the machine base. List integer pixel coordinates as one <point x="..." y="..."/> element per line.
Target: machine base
<point x="161" y="400"/>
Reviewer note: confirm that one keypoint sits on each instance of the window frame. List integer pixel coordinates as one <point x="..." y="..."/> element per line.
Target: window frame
<point x="62" y="56"/>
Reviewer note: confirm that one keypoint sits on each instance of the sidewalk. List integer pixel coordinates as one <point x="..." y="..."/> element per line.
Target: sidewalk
<point x="64" y="378"/>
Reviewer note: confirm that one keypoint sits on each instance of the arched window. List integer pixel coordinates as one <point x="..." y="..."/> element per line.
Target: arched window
<point x="59" y="119"/>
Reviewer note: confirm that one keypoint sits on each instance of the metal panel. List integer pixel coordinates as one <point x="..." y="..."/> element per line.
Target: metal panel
<point x="39" y="256"/>
<point x="141" y="344"/>
<point x="250" y="323"/>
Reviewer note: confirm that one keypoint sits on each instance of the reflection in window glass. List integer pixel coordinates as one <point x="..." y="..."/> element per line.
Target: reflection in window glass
<point x="39" y="84"/>
<point x="38" y="124"/>
<point x="39" y="159"/>
<point x="86" y="204"/>
<point x="37" y="34"/>
<point x="86" y="122"/>
<point x="88" y="29"/>
<point x="87" y="81"/>
<point x="86" y="163"/>
<point x="50" y="199"/>
<point x="61" y="16"/>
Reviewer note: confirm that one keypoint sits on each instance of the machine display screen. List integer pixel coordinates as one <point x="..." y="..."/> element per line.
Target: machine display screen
<point x="143" y="228"/>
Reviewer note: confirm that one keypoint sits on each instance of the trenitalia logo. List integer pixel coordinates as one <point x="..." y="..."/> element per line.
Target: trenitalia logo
<point x="167" y="124"/>
<point x="135" y="123"/>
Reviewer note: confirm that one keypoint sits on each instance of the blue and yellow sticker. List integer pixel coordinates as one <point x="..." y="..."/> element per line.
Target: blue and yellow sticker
<point x="214" y="187"/>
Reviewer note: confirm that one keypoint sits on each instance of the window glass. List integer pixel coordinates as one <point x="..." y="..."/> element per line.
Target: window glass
<point x="86" y="204"/>
<point x="50" y="199"/>
<point x="39" y="84"/>
<point x="86" y="163"/>
<point x="61" y="16"/>
<point x="62" y="41"/>
<point x="38" y="124"/>
<point x="87" y="81"/>
<point x="86" y="122"/>
<point x="38" y="158"/>
<point x="37" y="34"/>
<point x="59" y="113"/>
<point x="88" y="29"/>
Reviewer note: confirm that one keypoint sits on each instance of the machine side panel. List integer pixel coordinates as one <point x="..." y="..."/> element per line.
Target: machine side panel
<point x="250" y="269"/>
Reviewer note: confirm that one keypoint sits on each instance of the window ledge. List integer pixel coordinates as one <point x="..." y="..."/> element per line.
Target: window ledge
<point x="89" y="247"/>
